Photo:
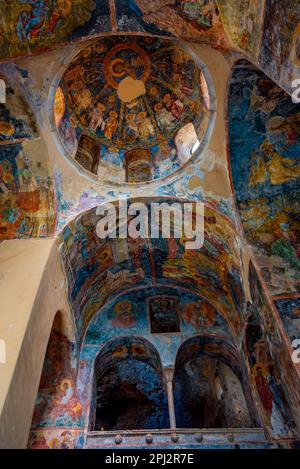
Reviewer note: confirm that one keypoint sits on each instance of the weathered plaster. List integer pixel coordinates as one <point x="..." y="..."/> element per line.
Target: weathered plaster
<point x="32" y="290"/>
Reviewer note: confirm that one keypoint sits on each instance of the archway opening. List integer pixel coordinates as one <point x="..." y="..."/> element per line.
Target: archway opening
<point x="208" y="392"/>
<point x="57" y="403"/>
<point x="87" y="153"/>
<point x="128" y="387"/>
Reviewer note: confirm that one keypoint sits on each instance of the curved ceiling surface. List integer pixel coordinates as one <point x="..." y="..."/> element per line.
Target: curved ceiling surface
<point x="132" y="109"/>
<point x="98" y="270"/>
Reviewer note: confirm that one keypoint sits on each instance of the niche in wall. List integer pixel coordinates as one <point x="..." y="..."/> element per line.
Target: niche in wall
<point x="138" y="165"/>
<point x="207" y="391"/>
<point x="128" y="388"/>
<point x="87" y="153"/>
<point x="57" y="403"/>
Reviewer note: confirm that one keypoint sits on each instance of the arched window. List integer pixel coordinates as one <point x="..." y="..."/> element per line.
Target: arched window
<point x="88" y="153"/>
<point x="187" y="142"/>
<point x="2" y="91"/>
<point x="59" y="106"/>
<point x="138" y="165"/>
<point x="128" y="387"/>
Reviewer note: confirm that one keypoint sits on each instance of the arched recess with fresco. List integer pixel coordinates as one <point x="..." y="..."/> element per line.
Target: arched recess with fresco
<point x="264" y="149"/>
<point x="210" y="385"/>
<point x="129" y="392"/>
<point x="155" y="290"/>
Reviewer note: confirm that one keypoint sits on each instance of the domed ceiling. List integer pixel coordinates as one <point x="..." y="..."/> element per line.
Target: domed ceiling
<point x="132" y="108"/>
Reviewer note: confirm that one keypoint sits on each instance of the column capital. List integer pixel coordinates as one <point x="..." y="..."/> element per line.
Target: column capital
<point x="168" y="374"/>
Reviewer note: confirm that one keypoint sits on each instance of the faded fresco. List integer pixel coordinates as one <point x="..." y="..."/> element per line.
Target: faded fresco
<point x="266" y="31"/>
<point x="56" y="439"/>
<point x="289" y="310"/>
<point x="131" y="315"/>
<point x="36" y="25"/>
<point x="26" y="186"/>
<point x="276" y="411"/>
<point x="57" y="404"/>
<point x="94" y="121"/>
<point x="268" y="342"/>
<point x="197" y="20"/>
<point x="17" y="122"/>
<point x="108" y="266"/>
<point x="121" y="368"/>
<point x="121" y="358"/>
<point x="164" y="314"/>
<point x="279" y="56"/>
<point x="131" y="110"/>
<point x="208" y="385"/>
<point x="243" y="21"/>
<point x="264" y="140"/>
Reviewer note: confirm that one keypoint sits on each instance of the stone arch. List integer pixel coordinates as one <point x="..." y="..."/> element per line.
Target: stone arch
<point x="128" y="387"/>
<point x="105" y="267"/>
<point x="210" y="388"/>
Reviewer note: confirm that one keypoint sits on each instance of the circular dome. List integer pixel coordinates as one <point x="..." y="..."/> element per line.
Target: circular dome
<point x="132" y="109"/>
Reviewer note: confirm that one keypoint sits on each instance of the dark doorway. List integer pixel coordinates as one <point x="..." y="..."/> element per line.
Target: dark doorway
<point x="129" y="392"/>
<point x="207" y="391"/>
